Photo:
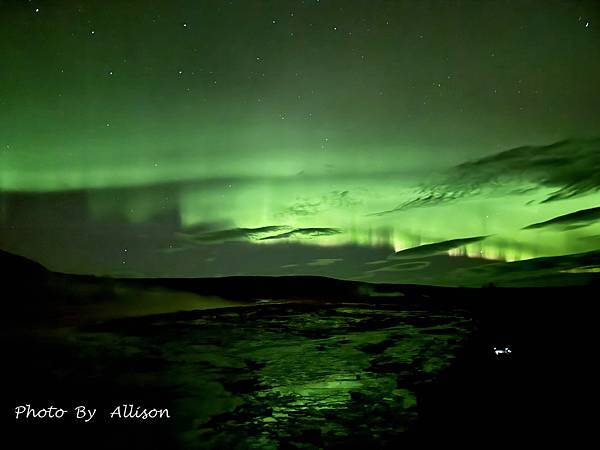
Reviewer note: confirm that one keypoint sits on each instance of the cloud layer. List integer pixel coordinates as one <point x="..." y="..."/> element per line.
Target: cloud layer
<point x="571" y="168"/>
<point x="203" y="235"/>
<point x="304" y="233"/>
<point x="574" y="220"/>
<point x="234" y="234"/>
<point x="436" y="248"/>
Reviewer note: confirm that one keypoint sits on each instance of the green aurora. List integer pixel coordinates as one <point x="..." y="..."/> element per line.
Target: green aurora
<point x="142" y="140"/>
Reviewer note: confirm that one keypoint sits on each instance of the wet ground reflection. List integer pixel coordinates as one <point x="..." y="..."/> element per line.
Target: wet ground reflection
<point x="288" y="375"/>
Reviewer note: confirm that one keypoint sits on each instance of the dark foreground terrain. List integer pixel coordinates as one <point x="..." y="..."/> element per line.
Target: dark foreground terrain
<point x="292" y="362"/>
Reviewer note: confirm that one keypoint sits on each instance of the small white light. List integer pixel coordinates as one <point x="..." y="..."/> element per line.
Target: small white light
<point x="502" y="351"/>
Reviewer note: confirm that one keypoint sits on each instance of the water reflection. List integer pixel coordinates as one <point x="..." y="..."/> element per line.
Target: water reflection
<point x="276" y="375"/>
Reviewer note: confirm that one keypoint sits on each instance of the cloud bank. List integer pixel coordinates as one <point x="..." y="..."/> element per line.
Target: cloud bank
<point x="304" y="233"/>
<point x="571" y="221"/>
<point x="203" y="235"/>
<point x="571" y="168"/>
<point x="423" y="251"/>
<point x="233" y="234"/>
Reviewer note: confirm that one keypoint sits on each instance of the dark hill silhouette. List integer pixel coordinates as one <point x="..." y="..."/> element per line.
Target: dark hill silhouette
<point x="22" y="270"/>
<point x="549" y="330"/>
<point x="15" y="265"/>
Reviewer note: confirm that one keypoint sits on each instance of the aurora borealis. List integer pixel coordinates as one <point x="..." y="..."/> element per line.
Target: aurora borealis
<point x="298" y="224"/>
<point x="210" y="138"/>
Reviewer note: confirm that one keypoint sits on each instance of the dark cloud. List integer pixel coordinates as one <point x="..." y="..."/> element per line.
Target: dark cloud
<point x="433" y="249"/>
<point x="233" y="234"/>
<point x="571" y="221"/>
<point x="203" y="234"/>
<point x="304" y="233"/>
<point x="571" y="167"/>
<point x="333" y="199"/>
<point x="303" y="208"/>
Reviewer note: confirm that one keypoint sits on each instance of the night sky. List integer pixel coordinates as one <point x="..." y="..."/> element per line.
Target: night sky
<point x="210" y="138"/>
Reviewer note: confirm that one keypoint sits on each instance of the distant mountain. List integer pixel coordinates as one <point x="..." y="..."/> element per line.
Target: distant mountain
<point x="20" y="269"/>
